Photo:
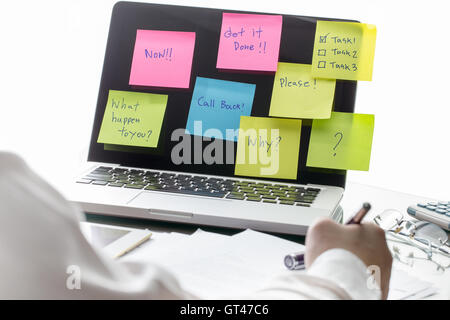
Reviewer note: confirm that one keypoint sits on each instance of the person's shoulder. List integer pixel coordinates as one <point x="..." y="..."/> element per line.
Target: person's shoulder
<point x="9" y="160"/>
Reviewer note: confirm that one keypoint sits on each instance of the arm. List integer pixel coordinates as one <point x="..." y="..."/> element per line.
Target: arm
<point x="337" y="259"/>
<point x="44" y="251"/>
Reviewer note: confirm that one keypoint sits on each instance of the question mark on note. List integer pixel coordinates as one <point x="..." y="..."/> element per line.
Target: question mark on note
<point x="149" y="132"/>
<point x="340" y="139"/>
<point x="279" y="140"/>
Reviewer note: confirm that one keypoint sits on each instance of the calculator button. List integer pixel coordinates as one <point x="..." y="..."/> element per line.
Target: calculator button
<point x="434" y="204"/>
<point x="432" y="208"/>
<point x="441" y="211"/>
<point x="422" y="205"/>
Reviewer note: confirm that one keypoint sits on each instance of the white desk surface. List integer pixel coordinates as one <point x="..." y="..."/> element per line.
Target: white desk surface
<point x="382" y="199"/>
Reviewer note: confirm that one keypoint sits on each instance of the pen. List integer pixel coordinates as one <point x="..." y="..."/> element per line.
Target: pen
<point x="296" y="261"/>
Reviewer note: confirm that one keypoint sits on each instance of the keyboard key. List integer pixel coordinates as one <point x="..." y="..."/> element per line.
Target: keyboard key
<point x="290" y="203"/>
<point x="134" y="186"/>
<point x="293" y="195"/>
<point x="153" y="187"/>
<point x="85" y="181"/>
<point x="432" y="208"/>
<point x="441" y="211"/>
<point x="434" y="204"/>
<point x="235" y="197"/>
<point x="313" y="189"/>
<point x="303" y="204"/>
<point x="135" y="171"/>
<point x="422" y="205"/>
<point x="304" y="201"/>
<point x="115" y="184"/>
<point x="104" y="168"/>
<point x="269" y="201"/>
<point x="269" y="197"/>
<point x="253" y="199"/>
<point x="242" y="184"/>
<point x="184" y="176"/>
<point x="100" y="183"/>
<point x="97" y="177"/>
<point x="265" y="184"/>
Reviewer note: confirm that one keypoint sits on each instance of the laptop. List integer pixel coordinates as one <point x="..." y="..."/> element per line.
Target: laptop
<point x="146" y="181"/>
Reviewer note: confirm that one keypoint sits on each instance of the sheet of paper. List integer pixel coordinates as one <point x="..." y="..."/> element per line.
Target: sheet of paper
<point x="133" y="119"/>
<point x="296" y="94"/>
<point x="219" y="104"/>
<point x="268" y="147"/>
<point x="342" y="142"/>
<point x="344" y="50"/>
<point x="405" y="286"/>
<point x="249" y="42"/>
<point x="162" y="59"/>
<point x="213" y="266"/>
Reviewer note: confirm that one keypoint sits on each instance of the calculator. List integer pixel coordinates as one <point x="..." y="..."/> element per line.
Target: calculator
<point x="435" y="212"/>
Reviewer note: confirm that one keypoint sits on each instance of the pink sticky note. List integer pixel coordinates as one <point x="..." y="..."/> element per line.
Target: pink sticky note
<point x="249" y="42"/>
<point x="162" y="59"/>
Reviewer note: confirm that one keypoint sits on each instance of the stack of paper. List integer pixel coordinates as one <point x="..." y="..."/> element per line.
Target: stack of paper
<point x="211" y="265"/>
<point x="406" y="287"/>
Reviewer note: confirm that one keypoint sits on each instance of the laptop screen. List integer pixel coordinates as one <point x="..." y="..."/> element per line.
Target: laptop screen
<point x="186" y="112"/>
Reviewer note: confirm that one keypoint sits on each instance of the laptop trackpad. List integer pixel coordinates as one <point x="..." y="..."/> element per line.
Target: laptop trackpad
<point x="164" y="204"/>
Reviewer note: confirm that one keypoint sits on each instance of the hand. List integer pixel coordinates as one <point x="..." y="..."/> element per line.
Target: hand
<point x="367" y="241"/>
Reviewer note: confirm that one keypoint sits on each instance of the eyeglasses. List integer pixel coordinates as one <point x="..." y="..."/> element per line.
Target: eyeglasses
<point x="413" y="243"/>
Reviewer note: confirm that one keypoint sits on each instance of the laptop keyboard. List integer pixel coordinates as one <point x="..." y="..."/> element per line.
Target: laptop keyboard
<point x="201" y="186"/>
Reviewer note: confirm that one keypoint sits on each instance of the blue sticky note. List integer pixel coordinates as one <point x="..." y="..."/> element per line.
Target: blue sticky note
<point x="217" y="106"/>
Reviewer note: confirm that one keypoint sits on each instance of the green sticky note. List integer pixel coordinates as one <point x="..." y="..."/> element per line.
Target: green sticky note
<point x="133" y="119"/>
<point x="342" y="142"/>
<point x="296" y="94"/>
<point x="344" y="50"/>
<point x="268" y="147"/>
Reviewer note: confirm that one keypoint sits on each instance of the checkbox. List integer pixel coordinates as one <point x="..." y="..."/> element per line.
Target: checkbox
<point x="322" y="52"/>
<point x="322" y="64"/>
<point x="323" y="39"/>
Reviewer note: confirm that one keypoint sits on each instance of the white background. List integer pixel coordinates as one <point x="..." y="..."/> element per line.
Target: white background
<point x="51" y="60"/>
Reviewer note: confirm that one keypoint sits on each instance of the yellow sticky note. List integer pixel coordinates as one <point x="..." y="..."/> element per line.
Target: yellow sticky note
<point x="296" y="94"/>
<point x="344" y="50"/>
<point x="133" y="119"/>
<point x="268" y="147"/>
<point x="342" y="142"/>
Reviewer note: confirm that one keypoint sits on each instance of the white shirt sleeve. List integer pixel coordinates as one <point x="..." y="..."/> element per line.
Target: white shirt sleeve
<point x="335" y="274"/>
<point x="46" y="256"/>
